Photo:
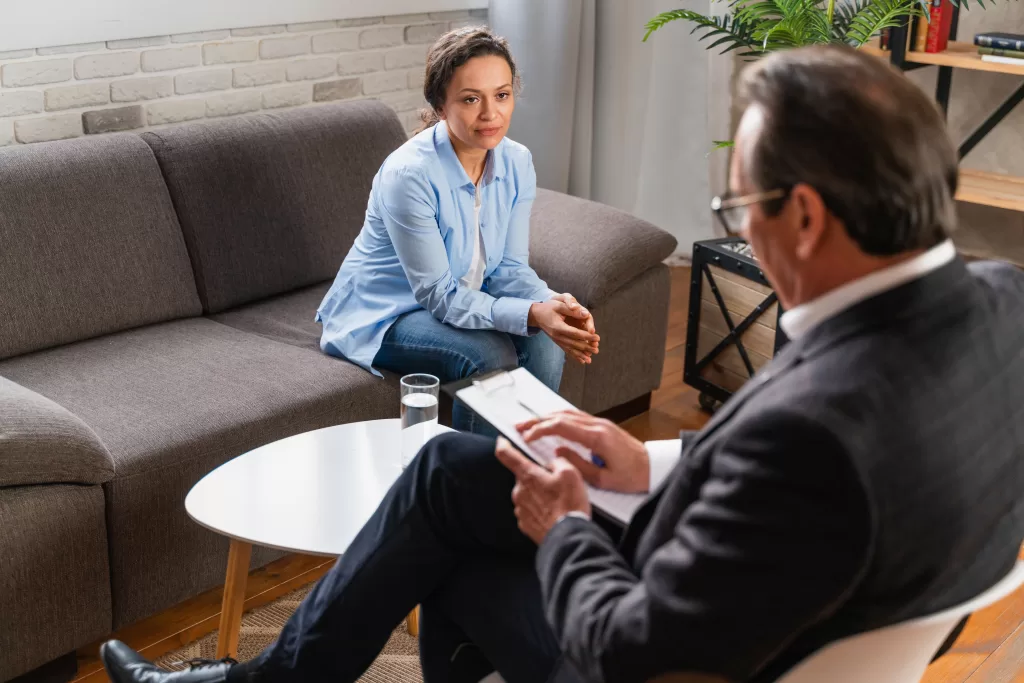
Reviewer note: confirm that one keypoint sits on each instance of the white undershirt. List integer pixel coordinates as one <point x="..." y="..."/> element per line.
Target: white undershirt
<point x="474" y="277"/>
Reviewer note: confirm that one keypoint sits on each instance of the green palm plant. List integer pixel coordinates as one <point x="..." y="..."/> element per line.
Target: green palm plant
<point x="759" y="27"/>
<point x="763" y="26"/>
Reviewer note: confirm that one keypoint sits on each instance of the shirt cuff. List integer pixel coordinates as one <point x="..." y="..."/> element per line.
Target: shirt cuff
<point x="511" y="314"/>
<point x="663" y="456"/>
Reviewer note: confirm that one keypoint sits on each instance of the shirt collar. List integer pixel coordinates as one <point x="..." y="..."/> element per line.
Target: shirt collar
<point x="798" y="321"/>
<point x="456" y="174"/>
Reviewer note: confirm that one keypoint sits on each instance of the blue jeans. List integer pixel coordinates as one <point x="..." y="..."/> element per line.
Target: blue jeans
<point x="418" y="342"/>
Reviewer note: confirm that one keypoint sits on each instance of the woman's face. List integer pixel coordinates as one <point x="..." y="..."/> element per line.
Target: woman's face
<point x="480" y="102"/>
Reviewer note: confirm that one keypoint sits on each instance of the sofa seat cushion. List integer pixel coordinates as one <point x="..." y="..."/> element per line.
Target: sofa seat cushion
<point x="43" y="443"/>
<point x="288" y="318"/>
<point x="590" y="249"/>
<point x="273" y="201"/>
<point x="89" y="243"/>
<point x="172" y="402"/>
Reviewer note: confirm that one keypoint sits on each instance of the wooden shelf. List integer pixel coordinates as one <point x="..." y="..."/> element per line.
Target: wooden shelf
<point x="963" y="56"/>
<point x="991" y="189"/>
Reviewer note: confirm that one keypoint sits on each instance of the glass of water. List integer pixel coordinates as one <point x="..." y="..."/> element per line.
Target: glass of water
<point x="419" y="413"/>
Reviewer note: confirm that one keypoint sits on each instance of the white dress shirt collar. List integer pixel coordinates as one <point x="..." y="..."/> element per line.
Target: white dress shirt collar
<point x="798" y="321"/>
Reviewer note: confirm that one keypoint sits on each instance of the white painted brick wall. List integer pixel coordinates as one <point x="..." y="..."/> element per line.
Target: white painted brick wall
<point x="202" y="81"/>
<point x="76" y="96"/>
<point x="230" y="53"/>
<point x="175" y="111"/>
<point x="135" y="89"/>
<point x="106" y="65"/>
<point x="43" y="128"/>
<point x="288" y="96"/>
<point x="260" y="74"/>
<point x="311" y="69"/>
<point x="64" y="91"/>
<point x="18" y="102"/>
<point x="171" y="58"/>
<point x="6" y="133"/>
<point x="234" y="103"/>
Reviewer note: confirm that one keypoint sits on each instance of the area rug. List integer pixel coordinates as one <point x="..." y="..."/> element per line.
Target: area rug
<point x="398" y="663"/>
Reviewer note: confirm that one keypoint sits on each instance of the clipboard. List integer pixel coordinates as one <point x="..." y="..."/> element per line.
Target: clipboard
<point x="506" y="398"/>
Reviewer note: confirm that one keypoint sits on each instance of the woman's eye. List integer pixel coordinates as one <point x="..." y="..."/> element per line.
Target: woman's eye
<point x="469" y="100"/>
<point x="503" y="96"/>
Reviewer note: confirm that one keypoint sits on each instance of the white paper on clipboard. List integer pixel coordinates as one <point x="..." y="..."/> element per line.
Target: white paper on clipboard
<point x="510" y="398"/>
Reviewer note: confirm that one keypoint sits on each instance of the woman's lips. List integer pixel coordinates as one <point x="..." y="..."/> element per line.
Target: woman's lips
<point x="488" y="132"/>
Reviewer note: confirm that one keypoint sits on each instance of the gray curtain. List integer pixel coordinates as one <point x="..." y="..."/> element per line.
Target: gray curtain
<point x="617" y="120"/>
<point x="553" y="42"/>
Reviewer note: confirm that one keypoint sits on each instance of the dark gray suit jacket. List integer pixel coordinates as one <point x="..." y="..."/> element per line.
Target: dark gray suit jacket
<point x="873" y="472"/>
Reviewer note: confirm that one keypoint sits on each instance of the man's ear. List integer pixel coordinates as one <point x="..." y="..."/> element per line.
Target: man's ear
<point x="813" y="218"/>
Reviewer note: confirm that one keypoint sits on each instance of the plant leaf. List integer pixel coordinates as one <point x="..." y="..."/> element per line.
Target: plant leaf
<point x="732" y="30"/>
<point x="877" y="15"/>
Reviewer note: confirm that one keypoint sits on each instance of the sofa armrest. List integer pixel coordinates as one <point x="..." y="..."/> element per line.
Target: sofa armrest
<point x="590" y="249"/>
<point x="42" y="442"/>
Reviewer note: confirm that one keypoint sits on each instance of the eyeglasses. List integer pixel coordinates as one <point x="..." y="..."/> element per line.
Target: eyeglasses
<point x="732" y="211"/>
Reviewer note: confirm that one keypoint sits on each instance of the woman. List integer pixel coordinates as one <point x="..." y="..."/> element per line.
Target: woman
<point x="438" y="280"/>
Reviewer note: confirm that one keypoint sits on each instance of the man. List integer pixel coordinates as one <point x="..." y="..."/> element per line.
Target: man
<point x="871" y="473"/>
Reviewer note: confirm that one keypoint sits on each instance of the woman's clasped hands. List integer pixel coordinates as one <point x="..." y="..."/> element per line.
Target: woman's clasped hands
<point x="569" y="324"/>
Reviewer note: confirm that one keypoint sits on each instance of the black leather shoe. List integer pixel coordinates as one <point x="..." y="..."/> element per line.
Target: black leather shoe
<point x="125" y="665"/>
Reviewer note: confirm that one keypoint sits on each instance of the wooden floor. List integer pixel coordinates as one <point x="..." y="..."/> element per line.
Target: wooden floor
<point x="990" y="650"/>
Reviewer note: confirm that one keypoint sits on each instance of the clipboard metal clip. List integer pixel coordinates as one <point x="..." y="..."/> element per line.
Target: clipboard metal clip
<point x="496" y="382"/>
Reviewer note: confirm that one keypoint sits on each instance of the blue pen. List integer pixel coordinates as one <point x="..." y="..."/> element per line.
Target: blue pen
<point x="594" y="457"/>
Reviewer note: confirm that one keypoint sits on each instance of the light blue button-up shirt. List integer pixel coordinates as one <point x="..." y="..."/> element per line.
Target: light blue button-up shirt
<point x="417" y="242"/>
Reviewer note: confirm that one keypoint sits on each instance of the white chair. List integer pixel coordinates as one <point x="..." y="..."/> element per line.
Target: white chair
<point x="899" y="653"/>
<point x="895" y="654"/>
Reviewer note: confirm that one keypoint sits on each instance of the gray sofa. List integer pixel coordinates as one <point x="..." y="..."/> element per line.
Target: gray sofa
<point x="156" y="320"/>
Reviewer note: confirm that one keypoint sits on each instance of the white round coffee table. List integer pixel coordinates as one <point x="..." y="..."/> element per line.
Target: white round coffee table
<point x="309" y="493"/>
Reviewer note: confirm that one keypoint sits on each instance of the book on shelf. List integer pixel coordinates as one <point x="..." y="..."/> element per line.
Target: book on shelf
<point x="1001" y="41"/>
<point x="999" y="59"/>
<point x="941" y="21"/>
<point x="999" y="52"/>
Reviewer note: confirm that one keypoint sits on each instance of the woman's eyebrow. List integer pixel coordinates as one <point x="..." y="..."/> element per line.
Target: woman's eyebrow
<point x="500" y="87"/>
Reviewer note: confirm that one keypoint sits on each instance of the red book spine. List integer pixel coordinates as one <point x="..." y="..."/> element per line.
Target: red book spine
<point x="938" y="28"/>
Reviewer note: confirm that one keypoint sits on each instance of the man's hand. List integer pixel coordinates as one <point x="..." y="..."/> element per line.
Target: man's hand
<point x="567" y="325"/>
<point x="627" y="467"/>
<point x="542" y="497"/>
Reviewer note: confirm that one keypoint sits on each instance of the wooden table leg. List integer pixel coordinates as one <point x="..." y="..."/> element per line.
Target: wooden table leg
<point x="234" y="599"/>
<point x="412" y="622"/>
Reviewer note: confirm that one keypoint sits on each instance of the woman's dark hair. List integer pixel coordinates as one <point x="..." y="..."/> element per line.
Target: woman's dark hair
<point x="451" y="51"/>
<point x="872" y="144"/>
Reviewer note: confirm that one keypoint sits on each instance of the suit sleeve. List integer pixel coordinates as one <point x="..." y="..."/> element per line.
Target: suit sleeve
<point x="776" y="539"/>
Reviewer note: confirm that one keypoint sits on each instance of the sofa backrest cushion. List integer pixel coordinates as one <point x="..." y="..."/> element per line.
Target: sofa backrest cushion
<point x="89" y="243"/>
<point x="272" y="202"/>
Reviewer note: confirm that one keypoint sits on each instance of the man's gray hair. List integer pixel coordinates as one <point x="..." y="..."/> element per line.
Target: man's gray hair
<point x="871" y="143"/>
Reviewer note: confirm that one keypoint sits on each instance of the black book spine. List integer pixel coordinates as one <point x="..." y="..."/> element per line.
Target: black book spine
<point x="1000" y="42"/>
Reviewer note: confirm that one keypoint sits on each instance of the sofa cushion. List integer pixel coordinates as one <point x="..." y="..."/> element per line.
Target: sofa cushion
<point x="591" y="249"/>
<point x="54" y="581"/>
<point x="272" y="202"/>
<point x="89" y="243"/>
<point x="288" y="318"/>
<point x="42" y="443"/>
<point x="172" y="402"/>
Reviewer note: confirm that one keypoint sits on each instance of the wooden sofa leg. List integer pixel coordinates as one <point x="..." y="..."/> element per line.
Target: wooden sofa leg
<point x="412" y="622"/>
